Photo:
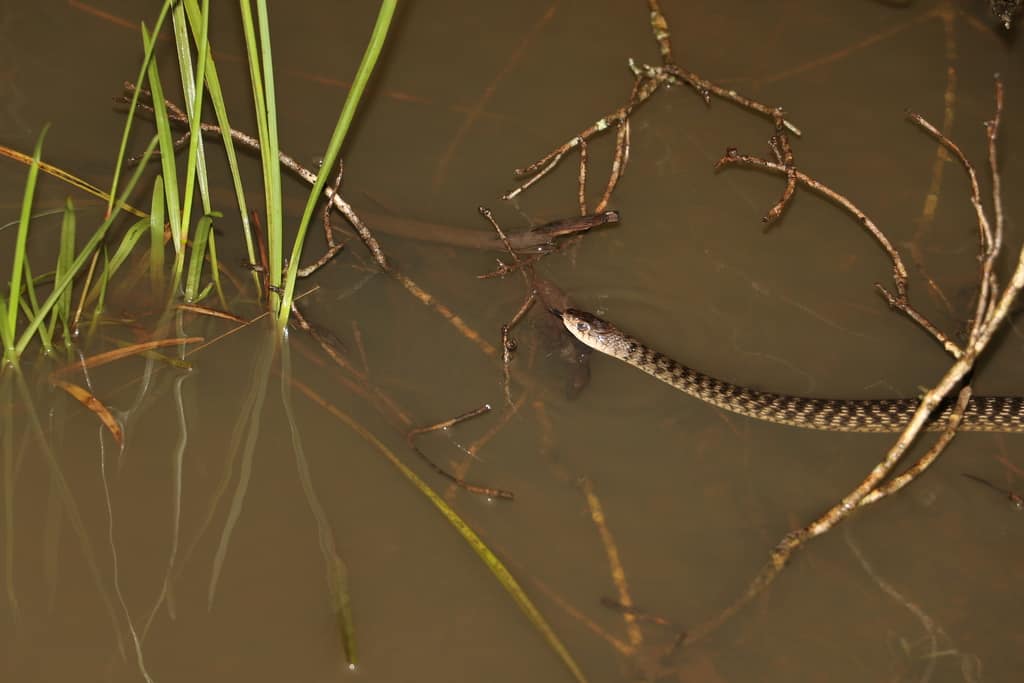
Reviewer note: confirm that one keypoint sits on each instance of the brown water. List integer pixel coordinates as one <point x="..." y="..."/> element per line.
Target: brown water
<point x="922" y="587"/>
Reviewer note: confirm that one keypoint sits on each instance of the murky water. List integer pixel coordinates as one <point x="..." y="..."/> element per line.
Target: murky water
<point x="212" y="548"/>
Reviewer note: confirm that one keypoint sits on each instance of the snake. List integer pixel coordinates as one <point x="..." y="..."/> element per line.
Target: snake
<point x="983" y="413"/>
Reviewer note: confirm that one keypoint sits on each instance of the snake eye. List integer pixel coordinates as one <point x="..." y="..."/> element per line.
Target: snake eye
<point x="583" y="327"/>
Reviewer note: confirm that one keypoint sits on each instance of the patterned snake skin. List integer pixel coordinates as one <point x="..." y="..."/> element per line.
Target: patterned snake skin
<point x="984" y="413"/>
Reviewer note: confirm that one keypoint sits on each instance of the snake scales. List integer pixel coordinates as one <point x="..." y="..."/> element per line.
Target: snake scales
<point x="983" y="414"/>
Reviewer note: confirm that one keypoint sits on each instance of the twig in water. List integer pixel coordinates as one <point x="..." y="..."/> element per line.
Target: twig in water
<point x="332" y="247"/>
<point x="616" y="570"/>
<point x="458" y="481"/>
<point x="640" y="614"/>
<point x="472" y="450"/>
<point x="784" y="155"/>
<point x="643" y="88"/>
<point x="659" y="26"/>
<point x="357" y="335"/>
<point x="508" y="344"/>
<point x="647" y="80"/>
<point x="1012" y="496"/>
<point x="871" y="488"/>
<point x="898" y="300"/>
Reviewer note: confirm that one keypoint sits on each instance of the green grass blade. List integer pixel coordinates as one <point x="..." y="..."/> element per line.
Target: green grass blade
<point x="205" y="293"/>
<point x="215" y="271"/>
<point x="65" y="281"/>
<point x="198" y="255"/>
<point x="29" y="303"/>
<point x="195" y="18"/>
<point x="10" y="321"/>
<point x="156" y="236"/>
<point x="127" y="245"/>
<point x="102" y="282"/>
<point x="348" y="111"/>
<point x="341" y="602"/>
<point x="179" y="232"/>
<point x="259" y="69"/>
<point x="30" y="306"/>
<point x="499" y="570"/>
<point x="5" y="335"/>
<point x="270" y="147"/>
<point x="489" y="559"/>
<point x="123" y="149"/>
<point x="193" y="85"/>
<point x="62" y="307"/>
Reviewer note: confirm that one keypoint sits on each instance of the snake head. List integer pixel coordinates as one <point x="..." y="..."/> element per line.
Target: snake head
<point x="586" y="327"/>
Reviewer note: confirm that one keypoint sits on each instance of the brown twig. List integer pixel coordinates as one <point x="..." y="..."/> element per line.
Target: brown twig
<point x="357" y="335"/>
<point x="986" y="292"/>
<point x="508" y="344"/>
<point x="643" y="88"/>
<point x="411" y="435"/>
<point x="673" y="74"/>
<point x="328" y="232"/>
<point x="567" y="226"/>
<point x="331" y="252"/>
<point x="473" y="450"/>
<point x="619" y="163"/>
<point x="504" y="269"/>
<point x="332" y="247"/>
<point x="897" y="299"/>
<point x="581" y="194"/>
<point x="783" y="152"/>
<point x="992" y="135"/>
<point x="911" y="473"/>
<point x="659" y="27"/>
<point x="615" y="569"/>
<point x="647" y="80"/>
<point x="1012" y="496"/>
<point x="872" y="488"/>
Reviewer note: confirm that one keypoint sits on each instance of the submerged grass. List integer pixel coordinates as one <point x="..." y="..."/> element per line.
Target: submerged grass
<point x="486" y="555"/>
<point x="336" y="569"/>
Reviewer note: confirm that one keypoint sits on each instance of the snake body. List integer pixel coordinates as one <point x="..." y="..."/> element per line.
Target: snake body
<point x="983" y="414"/>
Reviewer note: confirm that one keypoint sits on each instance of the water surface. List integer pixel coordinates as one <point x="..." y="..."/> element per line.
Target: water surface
<point x="921" y="587"/>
